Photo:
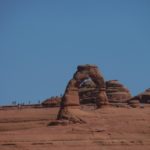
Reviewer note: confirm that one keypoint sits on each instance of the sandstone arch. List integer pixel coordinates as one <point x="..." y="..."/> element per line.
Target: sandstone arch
<point x="71" y="97"/>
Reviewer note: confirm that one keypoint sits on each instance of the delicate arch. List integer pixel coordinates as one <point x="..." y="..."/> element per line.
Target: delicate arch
<point x="71" y="96"/>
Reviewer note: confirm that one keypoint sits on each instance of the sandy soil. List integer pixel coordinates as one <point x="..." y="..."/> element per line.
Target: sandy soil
<point x="106" y="129"/>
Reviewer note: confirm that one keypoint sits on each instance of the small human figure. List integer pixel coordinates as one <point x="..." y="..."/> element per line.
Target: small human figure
<point x="19" y="106"/>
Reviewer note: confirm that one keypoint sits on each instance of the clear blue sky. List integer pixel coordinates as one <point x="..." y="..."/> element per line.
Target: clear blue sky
<point x="43" y="41"/>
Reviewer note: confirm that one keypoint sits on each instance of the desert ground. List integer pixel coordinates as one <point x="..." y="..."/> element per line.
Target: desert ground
<point x="110" y="128"/>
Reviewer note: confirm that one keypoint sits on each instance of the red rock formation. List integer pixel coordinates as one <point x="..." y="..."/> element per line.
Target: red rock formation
<point x="142" y="97"/>
<point x="71" y="95"/>
<point x="116" y="92"/>
<point x="88" y="92"/>
<point x="52" y="102"/>
<point x="134" y="103"/>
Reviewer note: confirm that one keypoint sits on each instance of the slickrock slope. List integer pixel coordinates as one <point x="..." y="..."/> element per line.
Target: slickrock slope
<point x="105" y="129"/>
